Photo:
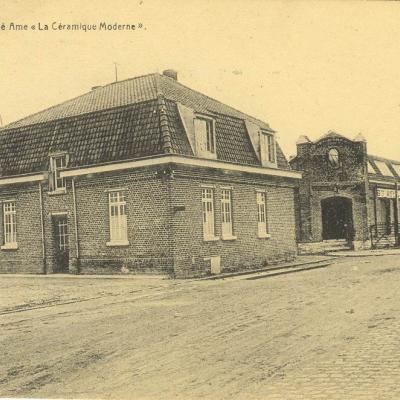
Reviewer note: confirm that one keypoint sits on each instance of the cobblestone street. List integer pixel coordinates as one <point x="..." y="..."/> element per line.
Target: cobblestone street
<point x="330" y="333"/>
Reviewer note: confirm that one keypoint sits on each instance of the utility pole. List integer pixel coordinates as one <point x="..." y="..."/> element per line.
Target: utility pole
<point x="1" y="121"/>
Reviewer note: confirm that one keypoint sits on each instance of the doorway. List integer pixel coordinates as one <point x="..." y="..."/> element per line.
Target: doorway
<point x="337" y="218"/>
<point x="61" y="243"/>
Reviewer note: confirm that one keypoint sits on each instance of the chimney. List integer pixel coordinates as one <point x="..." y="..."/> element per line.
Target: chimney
<point x="303" y="145"/>
<point x="359" y="138"/>
<point x="96" y="87"/>
<point x="171" y="74"/>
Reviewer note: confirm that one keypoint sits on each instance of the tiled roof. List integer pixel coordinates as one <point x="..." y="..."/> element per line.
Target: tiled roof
<point x="130" y="91"/>
<point x="114" y="95"/>
<point x="87" y="139"/>
<point x="126" y="120"/>
<point x="383" y="168"/>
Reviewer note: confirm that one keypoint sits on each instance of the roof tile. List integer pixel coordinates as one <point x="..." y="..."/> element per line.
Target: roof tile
<point x="124" y="120"/>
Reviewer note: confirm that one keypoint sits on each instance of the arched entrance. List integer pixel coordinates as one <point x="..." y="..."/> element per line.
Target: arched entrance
<point x="337" y="218"/>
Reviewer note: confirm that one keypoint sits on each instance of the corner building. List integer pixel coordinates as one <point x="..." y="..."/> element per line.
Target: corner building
<point x="144" y="176"/>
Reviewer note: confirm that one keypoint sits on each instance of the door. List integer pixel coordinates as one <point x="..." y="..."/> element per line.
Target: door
<point x="337" y="218"/>
<point x="61" y="243"/>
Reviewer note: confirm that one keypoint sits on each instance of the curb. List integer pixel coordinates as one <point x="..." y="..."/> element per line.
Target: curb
<point x="372" y="253"/>
<point x="271" y="269"/>
<point x="289" y="271"/>
<point x="91" y="276"/>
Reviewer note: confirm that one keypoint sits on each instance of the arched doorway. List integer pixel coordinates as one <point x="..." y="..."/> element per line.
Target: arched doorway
<point x="337" y="218"/>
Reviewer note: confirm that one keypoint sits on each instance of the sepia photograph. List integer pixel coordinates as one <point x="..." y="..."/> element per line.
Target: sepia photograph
<point x="199" y="200"/>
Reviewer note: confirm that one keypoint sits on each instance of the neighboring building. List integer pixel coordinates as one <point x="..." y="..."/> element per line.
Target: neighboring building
<point x="345" y="194"/>
<point x="143" y="176"/>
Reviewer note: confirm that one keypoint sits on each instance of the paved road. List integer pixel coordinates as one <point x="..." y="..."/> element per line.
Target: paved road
<point x="323" y="334"/>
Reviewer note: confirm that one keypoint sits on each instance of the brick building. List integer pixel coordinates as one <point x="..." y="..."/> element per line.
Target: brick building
<point x="143" y="176"/>
<point x="346" y="195"/>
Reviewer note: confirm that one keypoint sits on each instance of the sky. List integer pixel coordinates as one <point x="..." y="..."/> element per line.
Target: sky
<point x="303" y="67"/>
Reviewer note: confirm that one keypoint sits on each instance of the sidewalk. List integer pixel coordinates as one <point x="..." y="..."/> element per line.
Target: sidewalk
<point x="88" y="276"/>
<point x="365" y="253"/>
<point x="303" y="260"/>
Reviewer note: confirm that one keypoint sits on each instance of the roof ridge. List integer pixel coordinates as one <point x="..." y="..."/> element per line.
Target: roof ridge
<point x="129" y="79"/>
<point x="5" y="129"/>
<point x="148" y="86"/>
<point x="164" y="125"/>
<point x="72" y="99"/>
<point x="380" y="158"/>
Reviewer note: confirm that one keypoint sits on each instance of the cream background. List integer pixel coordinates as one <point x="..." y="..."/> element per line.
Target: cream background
<point x="303" y="67"/>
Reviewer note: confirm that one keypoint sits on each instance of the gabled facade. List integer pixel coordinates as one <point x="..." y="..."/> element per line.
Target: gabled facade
<point x="345" y="194"/>
<point x="143" y="176"/>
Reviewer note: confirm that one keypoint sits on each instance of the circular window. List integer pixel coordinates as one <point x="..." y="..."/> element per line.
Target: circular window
<point x="333" y="158"/>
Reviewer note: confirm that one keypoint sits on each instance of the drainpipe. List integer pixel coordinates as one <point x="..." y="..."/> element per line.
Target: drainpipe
<point x="42" y="228"/>
<point x="76" y="225"/>
<point x="396" y="215"/>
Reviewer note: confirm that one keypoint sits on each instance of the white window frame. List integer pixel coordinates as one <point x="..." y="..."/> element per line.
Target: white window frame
<point x="118" y="221"/>
<point x="271" y="148"/>
<point x="206" y="145"/>
<point x="262" y="214"/>
<point x="268" y="149"/>
<point x="62" y="232"/>
<point x="208" y="214"/>
<point x="9" y="225"/>
<point x="333" y="157"/>
<point x="56" y="183"/>
<point x="226" y="214"/>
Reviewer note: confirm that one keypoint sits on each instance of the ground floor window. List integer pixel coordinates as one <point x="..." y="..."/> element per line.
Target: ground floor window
<point x="118" y="218"/>
<point x="10" y="223"/>
<point x="262" y="226"/>
<point x="207" y="198"/>
<point x="226" y="213"/>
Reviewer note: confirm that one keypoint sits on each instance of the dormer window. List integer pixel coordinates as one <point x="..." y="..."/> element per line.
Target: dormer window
<point x="268" y="149"/>
<point x="333" y="158"/>
<point x="205" y="137"/>
<point x="57" y="163"/>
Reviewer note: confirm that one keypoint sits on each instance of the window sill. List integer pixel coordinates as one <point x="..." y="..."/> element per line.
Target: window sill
<point x="120" y="243"/>
<point x="211" y="238"/>
<point x="229" y="237"/>
<point x="269" y="164"/>
<point x="264" y="235"/>
<point x="207" y="155"/>
<point x="9" y="246"/>
<point x="57" y="192"/>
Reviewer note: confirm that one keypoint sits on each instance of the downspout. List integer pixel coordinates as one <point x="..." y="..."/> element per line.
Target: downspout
<point x="396" y="215"/>
<point x="42" y="228"/>
<point x="76" y="226"/>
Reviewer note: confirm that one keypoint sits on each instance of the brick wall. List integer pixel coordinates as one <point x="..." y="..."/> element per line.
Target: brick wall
<point x="149" y="250"/>
<point x="321" y="181"/>
<point x="164" y="217"/>
<point x="28" y="257"/>
<point x="359" y="207"/>
<point x="247" y="251"/>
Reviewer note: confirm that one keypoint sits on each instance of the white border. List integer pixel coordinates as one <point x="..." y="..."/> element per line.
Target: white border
<point x="181" y="160"/>
<point x="21" y="179"/>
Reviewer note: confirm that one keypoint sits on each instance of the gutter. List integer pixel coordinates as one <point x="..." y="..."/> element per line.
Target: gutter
<point x="180" y="160"/>
<point x="23" y="178"/>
